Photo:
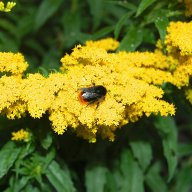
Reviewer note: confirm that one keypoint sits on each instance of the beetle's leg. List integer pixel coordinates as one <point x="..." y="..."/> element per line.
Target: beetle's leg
<point x="97" y="104"/>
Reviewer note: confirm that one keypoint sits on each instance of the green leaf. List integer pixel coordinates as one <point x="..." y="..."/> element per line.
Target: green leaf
<point x="21" y="183"/>
<point x="131" y="40"/>
<point x="95" y="178"/>
<point x="83" y="37"/>
<point x="143" y="5"/>
<point x="184" y="180"/>
<point x="142" y="150"/>
<point x="46" y="139"/>
<point x="161" y="22"/>
<point x="36" y="46"/>
<point x="168" y="132"/>
<point x="59" y="178"/>
<point x="29" y="187"/>
<point x="49" y="157"/>
<point x="103" y="32"/>
<point x="184" y="149"/>
<point x="121" y="22"/>
<point x="45" y="11"/>
<point x="25" y="24"/>
<point x="45" y="72"/>
<point x="111" y="184"/>
<point x="122" y="4"/>
<point x="155" y="181"/>
<point x="8" y="154"/>
<point x="149" y="36"/>
<point x="96" y="7"/>
<point x="133" y="175"/>
<point x="8" y="26"/>
<point x="7" y="43"/>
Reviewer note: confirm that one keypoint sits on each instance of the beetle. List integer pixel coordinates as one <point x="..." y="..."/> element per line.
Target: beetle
<point x="92" y="94"/>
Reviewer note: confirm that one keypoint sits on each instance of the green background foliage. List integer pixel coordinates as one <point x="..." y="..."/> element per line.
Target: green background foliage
<point x="153" y="154"/>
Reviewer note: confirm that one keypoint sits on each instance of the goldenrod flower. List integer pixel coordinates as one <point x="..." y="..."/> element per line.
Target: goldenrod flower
<point x="10" y="89"/>
<point x="8" y="8"/>
<point x="37" y="94"/>
<point x="1" y="6"/>
<point x="11" y="62"/>
<point x="107" y="44"/>
<point x="128" y="96"/>
<point x="188" y="94"/>
<point x="20" y="135"/>
<point x="127" y="78"/>
<point x="180" y="36"/>
<point x="179" y="54"/>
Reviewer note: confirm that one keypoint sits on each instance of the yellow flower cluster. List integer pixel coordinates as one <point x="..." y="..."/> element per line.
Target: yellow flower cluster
<point x="127" y="78"/>
<point x="8" y="8"/>
<point x="19" y="135"/>
<point x="188" y="94"/>
<point x="14" y="63"/>
<point x="109" y="44"/>
<point x="188" y="5"/>
<point x="179" y="36"/>
<point x="179" y="46"/>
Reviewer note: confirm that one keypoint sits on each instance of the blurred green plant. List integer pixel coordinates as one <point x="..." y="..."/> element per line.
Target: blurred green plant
<point x="153" y="154"/>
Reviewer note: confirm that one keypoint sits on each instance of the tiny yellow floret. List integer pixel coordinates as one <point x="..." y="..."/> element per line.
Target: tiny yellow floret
<point x="8" y="8"/>
<point x="19" y="135"/>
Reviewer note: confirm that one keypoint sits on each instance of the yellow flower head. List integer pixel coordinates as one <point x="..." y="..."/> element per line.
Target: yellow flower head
<point x="10" y="89"/>
<point x="20" y="135"/>
<point x="180" y="37"/>
<point x="127" y="77"/>
<point x="188" y="94"/>
<point x="128" y="96"/>
<point x="37" y="93"/>
<point x="11" y="62"/>
<point x="1" y="6"/>
<point x="107" y="44"/>
<point x="8" y="8"/>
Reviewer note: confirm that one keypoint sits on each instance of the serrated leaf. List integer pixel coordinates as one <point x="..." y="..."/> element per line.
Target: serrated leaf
<point x="45" y="11"/>
<point x="121" y="22"/>
<point x="155" y="181"/>
<point x="103" y="32"/>
<point x="184" y="149"/>
<point x="133" y="175"/>
<point x="161" y="22"/>
<point x="8" y="154"/>
<point x="184" y="180"/>
<point x="168" y="132"/>
<point x="131" y="40"/>
<point x="143" y="5"/>
<point x="59" y="178"/>
<point x="141" y="149"/>
<point x="95" y="178"/>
